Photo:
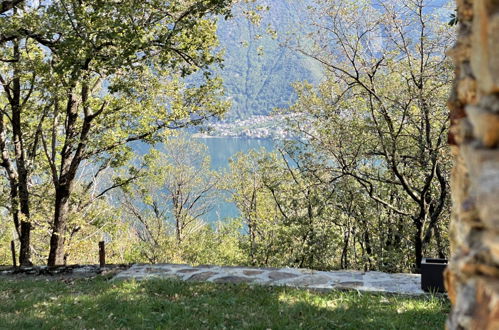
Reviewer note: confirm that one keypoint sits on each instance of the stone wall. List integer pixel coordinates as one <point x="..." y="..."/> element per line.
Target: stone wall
<point x="472" y="278"/>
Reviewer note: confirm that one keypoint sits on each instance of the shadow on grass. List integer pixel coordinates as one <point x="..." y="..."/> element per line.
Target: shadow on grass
<point x="170" y="304"/>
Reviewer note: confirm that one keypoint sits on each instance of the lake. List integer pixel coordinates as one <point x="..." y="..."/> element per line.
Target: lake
<point x="220" y="151"/>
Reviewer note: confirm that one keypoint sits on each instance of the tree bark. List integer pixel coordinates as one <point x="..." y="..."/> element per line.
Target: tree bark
<point x="7" y="5"/>
<point x="344" y="252"/>
<point x="22" y="171"/>
<point x="367" y="241"/>
<point x="57" y="240"/>
<point x="472" y="277"/>
<point x="418" y="246"/>
<point x="71" y="157"/>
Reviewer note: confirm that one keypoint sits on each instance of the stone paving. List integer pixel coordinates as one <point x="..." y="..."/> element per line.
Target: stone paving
<point x="301" y="278"/>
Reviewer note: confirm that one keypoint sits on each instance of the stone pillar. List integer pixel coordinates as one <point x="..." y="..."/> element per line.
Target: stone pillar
<point x="472" y="278"/>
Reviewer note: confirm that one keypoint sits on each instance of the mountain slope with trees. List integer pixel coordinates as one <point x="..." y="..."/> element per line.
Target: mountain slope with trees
<point x="259" y="67"/>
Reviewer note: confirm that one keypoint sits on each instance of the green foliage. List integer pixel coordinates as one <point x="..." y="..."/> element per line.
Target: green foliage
<point x="366" y="183"/>
<point x="6" y="236"/>
<point x="97" y="303"/>
<point x="166" y="207"/>
<point x="81" y="80"/>
<point x="364" y="186"/>
<point x="380" y="120"/>
<point x="215" y="244"/>
<point x="287" y="216"/>
<point x="91" y="219"/>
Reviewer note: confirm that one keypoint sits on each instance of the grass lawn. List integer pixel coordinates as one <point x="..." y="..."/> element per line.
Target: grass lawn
<point x="169" y="304"/>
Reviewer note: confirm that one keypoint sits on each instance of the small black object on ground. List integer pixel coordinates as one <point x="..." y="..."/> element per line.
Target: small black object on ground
<point x="432" y="274"/>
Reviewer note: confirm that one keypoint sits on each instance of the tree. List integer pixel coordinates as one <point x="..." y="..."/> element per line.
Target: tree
<point x="112" y="74"/>
<point x="21" y="73"/>
<point x="176" y="190"/>
<point x="7" y="5"/>
<point x="380" y="116"/>
<point x="258" y="214"/>
<point x="289" y="213"/>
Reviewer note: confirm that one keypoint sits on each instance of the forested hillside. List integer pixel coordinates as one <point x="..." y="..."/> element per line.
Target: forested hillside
<point x="258" y="69"/>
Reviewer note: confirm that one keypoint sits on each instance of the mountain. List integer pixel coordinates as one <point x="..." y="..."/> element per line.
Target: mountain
<point x="258" y="70"/>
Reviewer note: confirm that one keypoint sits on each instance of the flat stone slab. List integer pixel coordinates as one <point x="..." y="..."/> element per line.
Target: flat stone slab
<point x="200" y="277"/>
<point x="281" y="275"/>
<point x="409" y="284"/>
<point x="233" y="279"/>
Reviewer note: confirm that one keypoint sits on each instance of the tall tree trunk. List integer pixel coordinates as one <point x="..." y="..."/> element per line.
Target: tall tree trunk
<point x="57" y="240"/>
<point x="472" y="278"/>
<point x="252" y="241"/>
<point x="12" y="176"/>
<point x="344" y="252"/>
<point x="252" y="226"/>
<point x="15" y="206"/>
<point x="367" y="241"/>
<point x="438" y="241"/>
<point x="23" y="176"/>
<point x="70" y="161"/>
<point x="418" y="245"/>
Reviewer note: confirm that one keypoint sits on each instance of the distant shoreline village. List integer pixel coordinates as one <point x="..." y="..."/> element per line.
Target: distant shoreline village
<point x="255" y="127"/>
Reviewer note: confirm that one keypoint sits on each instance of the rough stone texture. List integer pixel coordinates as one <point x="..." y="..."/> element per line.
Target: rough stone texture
<point x="300" y="278"/>
<point x="233" y="279"/>
<point x="350" y="275"/>
<point x="252" y="272"/>
<point x="158" y="270"/>
<point x="310" y="280"/>
<point x="484" y="50"/>
<point x="277" y="276"/>
<point x="349" y="284"/>
<point x="472" y="277"/>
<point x="188" y="270"/>
<point x="486" y="310"/>
<point x="201" y="276"/>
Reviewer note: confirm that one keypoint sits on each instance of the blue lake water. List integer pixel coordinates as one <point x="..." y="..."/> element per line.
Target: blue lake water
<point x="221" y="150"/>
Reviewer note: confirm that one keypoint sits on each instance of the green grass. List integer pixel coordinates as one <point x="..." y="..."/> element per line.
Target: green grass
<point x="167" y="304"/>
